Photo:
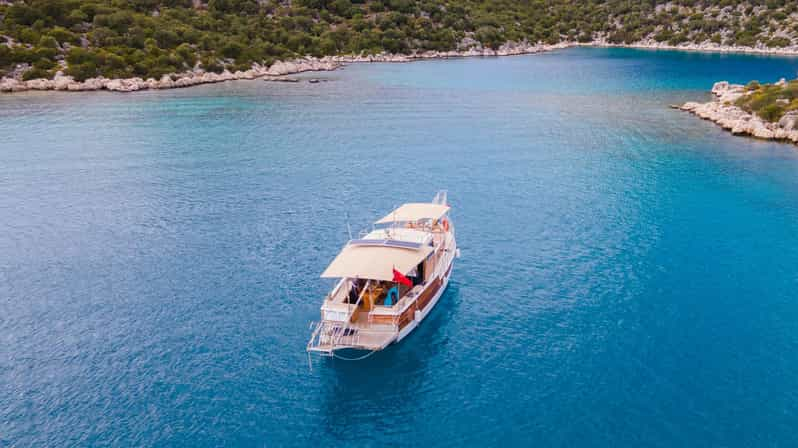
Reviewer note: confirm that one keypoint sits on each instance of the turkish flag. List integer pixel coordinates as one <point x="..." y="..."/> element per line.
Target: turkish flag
<point x="399" y="278"/>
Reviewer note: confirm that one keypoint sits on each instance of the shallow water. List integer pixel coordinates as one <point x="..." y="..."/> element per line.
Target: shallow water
<point x="627" y="273"/>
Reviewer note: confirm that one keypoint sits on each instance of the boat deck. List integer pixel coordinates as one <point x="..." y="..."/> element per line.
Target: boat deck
<point x="360" y="335"/>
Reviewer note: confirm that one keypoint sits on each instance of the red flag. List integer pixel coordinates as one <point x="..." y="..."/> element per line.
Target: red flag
<point x="399" y="278"/>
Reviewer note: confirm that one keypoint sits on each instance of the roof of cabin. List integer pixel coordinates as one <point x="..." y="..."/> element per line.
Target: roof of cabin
<point x="376" y="260"/>
<point x="415" y="211"/>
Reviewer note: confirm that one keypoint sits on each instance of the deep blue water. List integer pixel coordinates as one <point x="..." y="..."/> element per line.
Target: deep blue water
<point x="627" y="274"/>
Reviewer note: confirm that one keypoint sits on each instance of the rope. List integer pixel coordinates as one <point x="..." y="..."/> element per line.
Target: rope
<point x="354" y="359"/>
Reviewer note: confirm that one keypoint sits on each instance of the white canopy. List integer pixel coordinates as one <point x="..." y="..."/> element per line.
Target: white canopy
<point x="414" y="212"/>
<point x="375" y="262"/>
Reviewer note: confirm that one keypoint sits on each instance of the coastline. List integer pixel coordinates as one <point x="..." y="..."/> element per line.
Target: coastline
<point x="705" y="47"/>
<point x="275" y="72"/>
<point x="722" y="111"/>
<point x="280" y="69"/>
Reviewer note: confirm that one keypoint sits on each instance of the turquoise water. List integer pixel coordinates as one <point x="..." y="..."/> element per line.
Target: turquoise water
<point x="627" y="274"/>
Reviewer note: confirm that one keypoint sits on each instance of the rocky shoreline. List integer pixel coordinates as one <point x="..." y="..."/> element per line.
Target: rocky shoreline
<point x="275" y="72"/>
<point x="279" y="70"/>
<point x="705" y="47"/>
<point x="722" y="111"/>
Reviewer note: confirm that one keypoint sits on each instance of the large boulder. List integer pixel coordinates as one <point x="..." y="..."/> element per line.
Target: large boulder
<point x="789" y="121"/>
<point x="719" y="87"/>
<point x="760" y="131"/>
<point x="61" y="82"/>
<point x="94" y="83"/>
<point x="165" y="82"/>
<point x="40" y="84"/>
<point x="10" y="85"/>
<point x="126" y="85"/>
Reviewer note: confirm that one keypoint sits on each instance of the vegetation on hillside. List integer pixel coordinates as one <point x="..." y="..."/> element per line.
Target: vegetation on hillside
<point x="149" y="38"/>
<point x="770" y="101"/>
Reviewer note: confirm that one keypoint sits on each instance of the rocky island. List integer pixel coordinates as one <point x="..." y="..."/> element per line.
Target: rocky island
<point x="768" y="111"/>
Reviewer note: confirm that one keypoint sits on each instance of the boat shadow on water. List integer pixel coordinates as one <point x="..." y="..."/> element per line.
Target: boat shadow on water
<point x="388" y="379"/>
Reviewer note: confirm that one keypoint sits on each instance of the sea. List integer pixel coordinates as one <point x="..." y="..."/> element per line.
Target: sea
<point x="627" y="273"/>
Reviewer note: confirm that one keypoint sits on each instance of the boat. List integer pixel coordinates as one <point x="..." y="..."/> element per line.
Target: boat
<point x="388" y="280"/>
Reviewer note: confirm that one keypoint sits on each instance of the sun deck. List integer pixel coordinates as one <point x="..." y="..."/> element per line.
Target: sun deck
<point x="360" y="334"/>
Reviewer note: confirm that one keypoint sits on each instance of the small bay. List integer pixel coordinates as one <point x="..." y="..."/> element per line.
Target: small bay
<point x="627" y="274"/>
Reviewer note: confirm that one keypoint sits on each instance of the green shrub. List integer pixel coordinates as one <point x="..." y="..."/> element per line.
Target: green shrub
<point x="771" y="112"/>
<point x="44" y="64"/>
<point x="36" y="73"/>
<point x="62" y="35"/>
<point x="83" y="71"/>
<point x="186" y="54"/>
<point x="48" y="42"/>
<point x="6" y="58"/>
<point x="211" y="65"/>
<point x="779" y="42"/>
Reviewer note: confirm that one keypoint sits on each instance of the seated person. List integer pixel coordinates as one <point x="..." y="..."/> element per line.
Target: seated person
<point x="391" y="297"/>
<point x="353" y="294"/>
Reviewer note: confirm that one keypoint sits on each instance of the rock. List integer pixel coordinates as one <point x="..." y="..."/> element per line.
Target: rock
<point x="280" y="79"/>
<point x="690" y="106"/>
<point x="10" y="85"/>
<point x="209" y="77"/>
<point x="40" y="84"/>
<point x="789" y="122"/>
<point x="760" y="131"/>
<point x="720" y="86"/>
<point x="61" y="82"/>
<point x="183" y="81"/>
<point x="94" y="83"/>
<point x="723" y="112"/>
<point x="165" y="82"/>
<point x="115" y="85"/>
<point x="126" y="85"/>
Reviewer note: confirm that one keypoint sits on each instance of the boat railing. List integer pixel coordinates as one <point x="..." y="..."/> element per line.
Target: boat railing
<point x="318" y="337"/>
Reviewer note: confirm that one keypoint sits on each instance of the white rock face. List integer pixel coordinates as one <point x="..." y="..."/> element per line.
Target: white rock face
<point x="704" y="47"/>
<point x="9" y="85"/>
<point x="62" y="82"/>
<point x="789" y="122"/>
<point x="722" y="111"/>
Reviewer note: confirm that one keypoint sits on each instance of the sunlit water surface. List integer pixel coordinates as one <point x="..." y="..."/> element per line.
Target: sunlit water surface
<point x="628" y="272"/>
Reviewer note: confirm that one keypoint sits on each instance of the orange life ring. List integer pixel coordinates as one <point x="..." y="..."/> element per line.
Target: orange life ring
<point x="445" y="223"/>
